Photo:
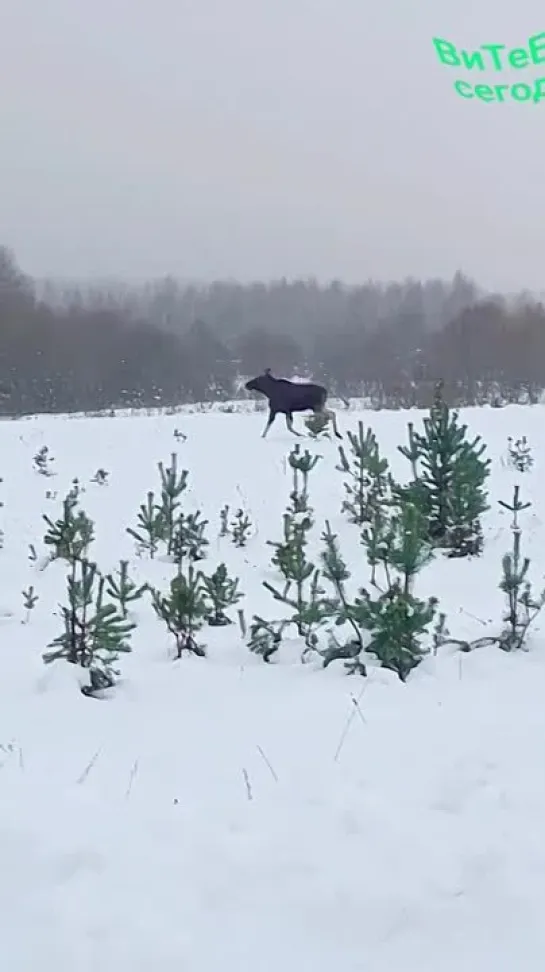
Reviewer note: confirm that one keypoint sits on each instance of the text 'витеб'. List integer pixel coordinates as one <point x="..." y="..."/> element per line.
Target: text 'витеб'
<point x="496" y="57"/>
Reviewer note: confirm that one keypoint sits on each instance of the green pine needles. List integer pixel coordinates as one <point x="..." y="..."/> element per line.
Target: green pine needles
<point x="449" y="479"/>
<point x="368" y="480"/>
<point x="95" y="631"/>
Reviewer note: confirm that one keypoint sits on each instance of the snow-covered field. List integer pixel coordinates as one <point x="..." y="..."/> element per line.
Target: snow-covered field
<point x="224" y="814"/>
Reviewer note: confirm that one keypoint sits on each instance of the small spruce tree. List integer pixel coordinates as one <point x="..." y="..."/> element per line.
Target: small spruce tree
<point x="302" y="464"/>
<point x="100" y="477"/>
<point x="224" y="521"/>
<point x="69" y="537"/>
<point x="450" y="488"/>
<point x="151" y="528"/>
<point x="122" y="589"/>
<point x="95" y="634"/>
<point x="188" y="538"/>
<point x="336" y="572"/>
<point x="368" y="475"/>
<point x="241" y="527"/>
<point x="173" y="484"/>
<point x="183" y="610"/>
<point x="30" y="599"/>
<point x="222" y="593"/>
<point x="520" y="454"/>
<point x="42" y="462"/>
<point x="317" y="426"/>
<point x="522" y="606"/>
<point x="301" y="592"/>
<point x="266" y="637"/>
<point x="396" y="620"/>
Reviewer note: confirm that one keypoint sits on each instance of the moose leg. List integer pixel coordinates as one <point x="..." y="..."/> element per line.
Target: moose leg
<point x="330" y="415"/>
<point x="289" y="423"/>
<point x="270" y="420"/>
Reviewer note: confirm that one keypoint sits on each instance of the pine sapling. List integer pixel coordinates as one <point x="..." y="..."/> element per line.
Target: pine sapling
<point x="317" y="425"/>
<point x="222" y="593"/>
<point x="122" y="590"/>
<point x="95" y="634"/>
<point x="302" y="464"/>
<point x="183" y="610"/>
<point x="188" y="537"/>
<point x="302" y="591"/>
<point x="377" y="538"/>
<point x="172" y="487"/>
<point x="100" y="477"/>
<point x="150" y="529"/>
<point x="368" y="475"/>
<point x="266" y="637"/>
<point x="42" y="462"/>
<point x="241" y="527"/>
<point x="409" y="549"/>
<point x="450" y="486"/>
<point x="71" y="535"/>
<point x="336" y="572"/>
<point x="30" y="599"/>
<point x="520" y="454"/>
<point x="224" y="521"/>
<point x="397" y="620"/>
<point x="522" y="606"/>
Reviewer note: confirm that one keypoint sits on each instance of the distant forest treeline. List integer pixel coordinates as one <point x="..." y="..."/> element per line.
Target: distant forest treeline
<point x="65" y="349"/>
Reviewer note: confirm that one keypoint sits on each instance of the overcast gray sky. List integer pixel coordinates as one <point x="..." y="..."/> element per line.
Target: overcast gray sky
<point x="262" y="138"/>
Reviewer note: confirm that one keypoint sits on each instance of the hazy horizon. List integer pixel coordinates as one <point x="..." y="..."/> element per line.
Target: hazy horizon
<point x="256" y="140"/>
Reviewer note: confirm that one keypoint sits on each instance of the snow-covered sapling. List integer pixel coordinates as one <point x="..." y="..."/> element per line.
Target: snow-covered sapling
<point x="317" y="425"/>
<point x="368" y="475"/>
<point x="302" y="464"/>
<point x="241" y="527"/>
<point x="183" y="610"/>
<point x="522" y="606"/>
<point x="42" y="462"/>
<point x="224" y="521"/>
<point x="396" y="623"/>
<point x="188" y="538"/>
<point x="266" y="637"/>
<point x="520" y="454"/>
<point x="30" y="599"/>
<point x="77" y="489"/>
<point x="100" y="477"/>
<point x="95" y="633"/>
<point x="222" y="593"/>
<point x="150" y="529"/>
<point x="71" y="535"/>
<point x="122" y="589"/>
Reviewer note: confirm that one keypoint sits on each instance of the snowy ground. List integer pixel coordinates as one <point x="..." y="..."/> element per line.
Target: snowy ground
<point x="127" y="837"/>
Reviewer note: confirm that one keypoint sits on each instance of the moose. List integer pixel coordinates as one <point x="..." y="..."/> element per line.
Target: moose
<point x="288" y="397"/>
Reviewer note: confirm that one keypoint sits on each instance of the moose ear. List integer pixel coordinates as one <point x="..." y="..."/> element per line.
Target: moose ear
<point x="267" y="371"/>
